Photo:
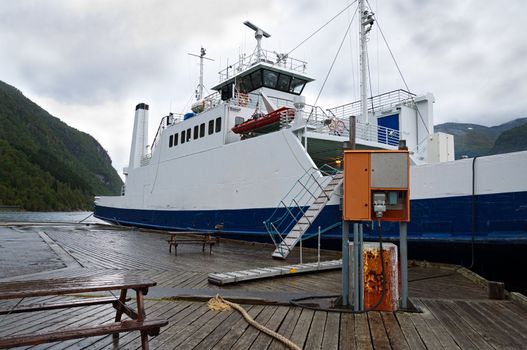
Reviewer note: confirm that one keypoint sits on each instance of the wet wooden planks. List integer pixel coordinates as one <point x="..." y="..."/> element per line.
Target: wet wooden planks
<point x="444" y="324"/>
<point x="27" y="247"/>
<point x="456" y="314"/>
<point x="146" y="252"/>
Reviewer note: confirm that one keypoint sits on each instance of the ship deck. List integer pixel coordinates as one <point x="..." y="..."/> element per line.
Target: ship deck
<point x="456" y="312"/>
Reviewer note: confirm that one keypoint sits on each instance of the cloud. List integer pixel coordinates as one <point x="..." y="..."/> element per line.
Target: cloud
<point x="90" y="61"/>
<point x="91" y="51"/>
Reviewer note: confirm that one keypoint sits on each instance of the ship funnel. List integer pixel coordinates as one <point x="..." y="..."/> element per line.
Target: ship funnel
<point x="140" y="136"/>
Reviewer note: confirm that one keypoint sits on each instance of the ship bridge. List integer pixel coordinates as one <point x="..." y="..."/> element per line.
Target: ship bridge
<point x="276" y="74"/>
<point x="275" y="80"/>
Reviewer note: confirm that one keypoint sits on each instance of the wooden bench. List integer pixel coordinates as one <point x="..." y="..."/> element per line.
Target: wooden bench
<point x="72" y="285"/>
<point x="174" y="241"/>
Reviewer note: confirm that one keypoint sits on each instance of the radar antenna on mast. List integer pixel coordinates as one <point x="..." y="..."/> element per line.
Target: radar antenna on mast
<point x="258" y="34"/>
<point x="201" y="56"/>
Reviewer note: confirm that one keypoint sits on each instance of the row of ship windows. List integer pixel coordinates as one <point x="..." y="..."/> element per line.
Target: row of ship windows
<point x="199" y="132"/>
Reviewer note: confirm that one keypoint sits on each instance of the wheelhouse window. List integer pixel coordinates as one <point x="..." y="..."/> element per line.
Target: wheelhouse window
<point x="270" y="78"/>
<point x="196" y="131"/>
<point x="297" y="85"/>
<point x="245" y="85"/>
<point x="170" y="140"/>
<point x="226" y="92"/>
<point x="189" y="134"/>
<point x="283" y="82"/>
<point x="183" y="137"/>
<point x="267" y="78"/>
<point x="202" y="130"/>
<point x="176" y="139"/>
<point x="256" y="79"/>
<point x="218" y="124"/>
<point x="211" y="127"/>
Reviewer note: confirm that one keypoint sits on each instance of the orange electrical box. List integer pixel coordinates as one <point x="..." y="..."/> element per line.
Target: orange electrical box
<point x="376" y="185"/>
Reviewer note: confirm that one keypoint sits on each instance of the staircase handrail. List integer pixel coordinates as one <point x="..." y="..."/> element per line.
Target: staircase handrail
<point x="276" y="225"/>
<point x="311" y="169"/>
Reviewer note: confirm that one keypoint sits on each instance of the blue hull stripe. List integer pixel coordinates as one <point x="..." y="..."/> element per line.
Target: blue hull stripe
<point x="499" y="218"/>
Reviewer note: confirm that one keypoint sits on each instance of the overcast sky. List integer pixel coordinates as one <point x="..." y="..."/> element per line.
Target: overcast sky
<point x="89" y="62"/>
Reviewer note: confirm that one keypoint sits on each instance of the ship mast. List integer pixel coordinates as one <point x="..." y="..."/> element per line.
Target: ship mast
<point x="201" y="56"/>
<point x="365" y="24"/>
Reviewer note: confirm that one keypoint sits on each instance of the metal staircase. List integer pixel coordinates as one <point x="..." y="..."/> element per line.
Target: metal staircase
<point x="295" y="220"/>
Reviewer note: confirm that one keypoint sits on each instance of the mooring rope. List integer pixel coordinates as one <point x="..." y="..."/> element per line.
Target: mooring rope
<point x="219" y="304"/>
<point x="86" y="218"/>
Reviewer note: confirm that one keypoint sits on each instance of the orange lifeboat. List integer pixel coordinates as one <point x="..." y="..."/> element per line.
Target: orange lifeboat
<point x="265" y="123"/>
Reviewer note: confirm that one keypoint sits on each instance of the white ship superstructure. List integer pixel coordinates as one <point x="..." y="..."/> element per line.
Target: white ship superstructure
<point x="259" y="183"/>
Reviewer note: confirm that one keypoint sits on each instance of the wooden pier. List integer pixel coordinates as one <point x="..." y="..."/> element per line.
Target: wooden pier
<point x="456" y="312"/>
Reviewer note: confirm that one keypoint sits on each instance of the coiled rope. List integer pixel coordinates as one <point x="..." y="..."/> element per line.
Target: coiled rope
<point x="219" y="304"/>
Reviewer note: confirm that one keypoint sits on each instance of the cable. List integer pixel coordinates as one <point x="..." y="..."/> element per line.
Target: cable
<point x="399" y="70"/>
<point x="188" y="103"/>
<point x="383" y="273"/>
<point x="86" y="218"/>
<point x="319" y="29"/>
<point x="352" y="64"/>
<point x="15" y="306"/>
<point x="377" y="47"/>
<point x="474" y="213"/>
<point x="335" y="58"/>
<point x="369" y="80"/>
<point x="295" y="302"/>
<point x="433" y="277"/>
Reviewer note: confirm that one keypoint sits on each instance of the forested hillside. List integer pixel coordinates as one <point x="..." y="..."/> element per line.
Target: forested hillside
<point x="478" y="140"/>
<point x="44" y="163"/>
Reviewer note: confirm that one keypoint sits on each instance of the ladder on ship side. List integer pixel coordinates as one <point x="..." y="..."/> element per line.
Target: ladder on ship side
<point x="302" y="219"/>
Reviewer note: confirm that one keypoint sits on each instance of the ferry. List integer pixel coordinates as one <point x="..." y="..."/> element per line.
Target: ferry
<point x="253" y="159"/>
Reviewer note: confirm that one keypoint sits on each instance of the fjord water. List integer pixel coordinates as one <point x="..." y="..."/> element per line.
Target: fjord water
<point x="28" y="216"/>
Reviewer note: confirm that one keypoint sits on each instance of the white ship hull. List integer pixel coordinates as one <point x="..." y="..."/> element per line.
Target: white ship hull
<point x="239" y="185"/>
<point x="200" y="174"/>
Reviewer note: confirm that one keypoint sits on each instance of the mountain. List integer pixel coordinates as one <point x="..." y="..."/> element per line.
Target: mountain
<point x="478" y="140"/>
<point x="45" y="164"/>
<point x="514" y="139"/>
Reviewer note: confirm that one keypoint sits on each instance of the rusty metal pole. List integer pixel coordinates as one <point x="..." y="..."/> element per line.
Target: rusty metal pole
<point x="352" y="132"/>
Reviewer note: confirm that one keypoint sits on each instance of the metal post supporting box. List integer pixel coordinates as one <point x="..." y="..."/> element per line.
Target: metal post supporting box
<point x="376" y="185"/>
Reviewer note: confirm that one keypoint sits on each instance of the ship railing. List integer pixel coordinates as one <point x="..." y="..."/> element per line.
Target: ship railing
<point x="165" y="121"/>
<point x="377" y="133"/>
<point x="299" y="197"/>
<point x="327" y="123"/>
<point x="418" y="153"/>
<point x="385" y="102"/>
<point x="211" y="101"/>
<point x="269" y="57"/>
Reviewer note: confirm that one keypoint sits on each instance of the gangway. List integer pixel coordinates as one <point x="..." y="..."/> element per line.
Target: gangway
<point x="222" y="278"/>
<point x="306" y="219"/>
